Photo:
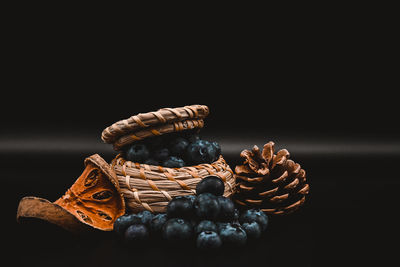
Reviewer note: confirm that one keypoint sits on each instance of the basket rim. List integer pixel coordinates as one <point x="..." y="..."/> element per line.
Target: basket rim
<point x="153" y="118"/>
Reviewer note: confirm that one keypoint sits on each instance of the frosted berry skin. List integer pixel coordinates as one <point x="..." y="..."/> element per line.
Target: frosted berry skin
<point x="192" y="198"/>
<point x="177" y="229"/>
<point x="152" y="161"/>
<point x="145" y="217"/>
<point x="161" y="154"/>
<point x="136" y="232"/>
<point x="211" y="184"/>
<point x="180" y="207"/>
<point x="227" y="209"/>
<point x="218" y="149"/>
<point x="206" y="207"/>
<point x="201" y="151"/>
<point x="137" y="153"/>
<point x="253" y="230"/>
<point x="208" y="240"/>
<point x="233" y="235"/>
<point x="206" y="225"/>
<point x="221" y="226"/>
<point x="157" y="223"/>
<point x="254" y="215"/>
<point x="174" y="162"/>
<point x="121" y="224"/>
<point x="178" y="146"/>
<point x="192" y="137"/>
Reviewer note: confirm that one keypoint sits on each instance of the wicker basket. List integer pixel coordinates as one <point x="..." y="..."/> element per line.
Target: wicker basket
<point x="149" y="187"/>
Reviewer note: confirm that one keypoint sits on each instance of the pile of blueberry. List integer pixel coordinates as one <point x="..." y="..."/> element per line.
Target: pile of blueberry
<point x="208" y="218"/>
<point x="174" y="150"/>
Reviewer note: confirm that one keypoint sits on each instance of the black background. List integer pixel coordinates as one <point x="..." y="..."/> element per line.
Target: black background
<point x="325" y="93"/>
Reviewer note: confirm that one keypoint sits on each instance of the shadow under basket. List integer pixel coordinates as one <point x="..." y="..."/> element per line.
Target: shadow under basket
<point x="150" y="187"/>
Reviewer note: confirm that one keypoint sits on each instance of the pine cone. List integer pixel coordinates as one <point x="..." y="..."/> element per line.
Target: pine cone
<point x="272" y="183"/>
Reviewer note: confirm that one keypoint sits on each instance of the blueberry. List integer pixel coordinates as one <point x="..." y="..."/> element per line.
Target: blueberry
<point x="208" y="240"/>
<point x="145" y="217"/>
<point x="136" y="232"/>
<point x="211" y="184"/>
<point x="180" y="207"/>
<point x="236" y="215"/>
<point x="206" y="206"/>
<point x="121" y="223"/>
<point x="192" y="136"/>
<point x="233" y="235"/>
<point x="206" y="225"/>
<point x="173" y="162"/>
<point x="192" y="198"/>
<point x="253" y="215"/>
<point x="177" y="229"/>
<point x="155" y="142"/>
<point x="137" y="153"/>
<point x="157" y="223"/>
<point x="227" y="212"/>
<point x="221" y="225"/>
<point x="200" y="152"/>
<point x="151" y="161"/>
<point x="161" y="154"/>
<point x="124" y="221"/>
<point x="218" y="150"/>
<point x="253" y="230"/>
<point x="178" y="146"/>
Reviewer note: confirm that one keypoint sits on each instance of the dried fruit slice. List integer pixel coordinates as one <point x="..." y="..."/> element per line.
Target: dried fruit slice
<point x="40" y="208"/>
<point x="94" y="199"/>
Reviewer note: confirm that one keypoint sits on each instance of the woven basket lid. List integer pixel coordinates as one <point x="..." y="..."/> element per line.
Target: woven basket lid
<point x="162" y="121"/>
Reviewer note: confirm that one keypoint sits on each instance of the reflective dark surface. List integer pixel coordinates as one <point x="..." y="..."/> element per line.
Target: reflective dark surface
<point x="330" y="101"/>
<point x="347" y="218"/>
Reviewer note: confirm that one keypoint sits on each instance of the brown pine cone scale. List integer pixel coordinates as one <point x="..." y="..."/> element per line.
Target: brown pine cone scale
<point x="271" y="182"/>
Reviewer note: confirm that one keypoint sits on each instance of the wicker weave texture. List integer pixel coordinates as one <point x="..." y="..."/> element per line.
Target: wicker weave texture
<point x="149" y="187"/>
<point x="154" y="118"/>
<point x="155" y="131"/>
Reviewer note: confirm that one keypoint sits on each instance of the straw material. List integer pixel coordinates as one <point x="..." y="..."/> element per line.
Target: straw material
<point x="157" y="130"/>
<point x="154" y="118"/>
<point x="149" y="187"/>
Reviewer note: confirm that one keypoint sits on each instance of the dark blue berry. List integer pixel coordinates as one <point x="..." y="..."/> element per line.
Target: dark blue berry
<point x="155" y="142"/>
<point x="180" y="207"/>
<point x="253" y="230"/>
<point x="200" y="152"/>
<point x="192" y="198"/>
<point x="233" y="235"/>
<point x="151" y="161"/>
<point x="208" y="240"/>
<point x="227" y="211"/>
<point x="173" y="162"/>
<point x="178" y="146"/>
<point x="137" y="153"/>
<point x="161" y="154"/>
<point x="206" y="207"/>
<point x="218" y="150"/>
<point x="135" y="233"/>
<point x="192" y="136"/>
<point x="145" y="217"/>
<point x="253" y="215"/>
<point x="236" y="215"/>
<point x="221" y="225"/>
<point x="122" y="223"/>
<point x="206" y="225"/>
<point x="157" y="223"/>
<point x="211" y="184"/>
<point x="177" y="229"/>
